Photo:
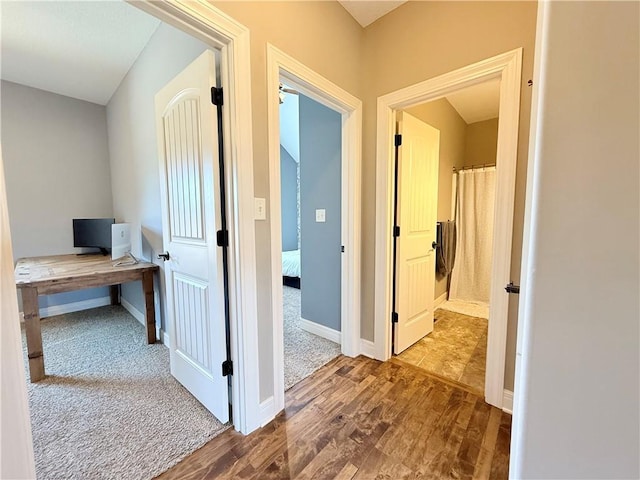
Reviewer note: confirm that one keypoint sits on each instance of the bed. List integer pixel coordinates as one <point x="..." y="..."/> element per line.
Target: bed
<point x="291" y="268"/>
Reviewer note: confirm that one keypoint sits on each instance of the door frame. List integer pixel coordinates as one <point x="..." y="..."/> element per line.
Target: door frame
<point x="313" y="85"/>
<point x="218" y="30"/>
<point x="507" y="67"/>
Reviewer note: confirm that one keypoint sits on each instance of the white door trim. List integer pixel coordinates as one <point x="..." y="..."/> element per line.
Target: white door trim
<point x="313" y="85"/>
<point x="507" y="67"/>
<point x="205" y="22"/>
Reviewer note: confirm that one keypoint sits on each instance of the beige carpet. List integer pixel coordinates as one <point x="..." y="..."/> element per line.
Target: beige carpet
<point x="304" y="352"/>
<point x="109" y="407"/>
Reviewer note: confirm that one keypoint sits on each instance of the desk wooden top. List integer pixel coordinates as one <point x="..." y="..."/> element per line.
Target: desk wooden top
<point x="61" y="273"/>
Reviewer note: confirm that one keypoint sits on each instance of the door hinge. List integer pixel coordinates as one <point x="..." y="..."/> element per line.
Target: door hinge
<point x="398" y="140"/>
<point x="396" y="231"/>
<point x="394" y="317"/>
<point x="342" y="248"/>
<point x="511" y="288"/>
<point x="216" y="96"/>
<point x="227" y="368"/>
<point x="222" y="238"/>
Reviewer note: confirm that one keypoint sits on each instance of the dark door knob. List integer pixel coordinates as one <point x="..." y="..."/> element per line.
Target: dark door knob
<point x="164" y="256"/>
<point x="434" y="245"/>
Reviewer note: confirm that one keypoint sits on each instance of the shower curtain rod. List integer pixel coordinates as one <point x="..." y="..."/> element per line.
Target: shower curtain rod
<point x="473" y="167"/>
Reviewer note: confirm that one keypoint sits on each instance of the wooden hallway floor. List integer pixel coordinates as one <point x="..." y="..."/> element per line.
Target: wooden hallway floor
<point x="358" y="418"/>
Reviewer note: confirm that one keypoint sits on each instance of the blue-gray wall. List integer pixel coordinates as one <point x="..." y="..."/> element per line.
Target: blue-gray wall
<point x="289" y="200"/>
<point x="320" y="187"/>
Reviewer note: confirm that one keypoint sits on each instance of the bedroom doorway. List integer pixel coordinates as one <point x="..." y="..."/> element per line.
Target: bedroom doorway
<point x="310" y="161"/>
<point x="314" y="146"/>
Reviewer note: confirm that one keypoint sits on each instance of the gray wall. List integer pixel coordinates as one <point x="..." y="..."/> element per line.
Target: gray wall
<point x="56" y="164"/>
<point x="576" y="412"/>
<point x="320" y="187"/>
<point x="289" y="200"/>
<point x="133" y="147"/>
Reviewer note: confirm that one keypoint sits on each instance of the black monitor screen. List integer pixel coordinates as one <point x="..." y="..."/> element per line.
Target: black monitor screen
<point x="92" y="232"/>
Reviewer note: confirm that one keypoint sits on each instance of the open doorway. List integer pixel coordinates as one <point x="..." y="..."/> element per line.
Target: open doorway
<point x="462" y="197"/>
<point x="310" y="170"/>
<point x="337" y="111"/>
<point x="136" y="175"/>
<point x="507" y="69"/>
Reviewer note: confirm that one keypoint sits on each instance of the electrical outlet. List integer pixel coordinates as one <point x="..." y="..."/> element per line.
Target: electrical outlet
<point x="321" y="215"/>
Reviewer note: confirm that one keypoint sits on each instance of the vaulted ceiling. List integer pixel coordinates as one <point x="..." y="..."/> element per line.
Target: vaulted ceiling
<point x="79" y="49"/>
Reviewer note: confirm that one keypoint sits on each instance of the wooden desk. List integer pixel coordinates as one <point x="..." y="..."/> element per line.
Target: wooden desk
<point x="62" y="273"/>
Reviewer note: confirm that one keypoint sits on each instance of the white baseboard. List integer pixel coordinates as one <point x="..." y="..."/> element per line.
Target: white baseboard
<point x="165" y="338"/>
<point x="507" y="402"/>
<point x="267" y="411"/>
<point x="71" y="307"/>
<point x="321" y="331"/>
<point x="440" y="300"/>
<point x="367" y="348"/>
<point x="139" y="316"/>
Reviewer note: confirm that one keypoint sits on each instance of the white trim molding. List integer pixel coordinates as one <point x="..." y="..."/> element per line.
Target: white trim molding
<point x="166" y="340"/>
<point x="139" y="316"/>
<point x="202" y="20"/>
<point x="135" y="313"/>
<point x="440" y="300"/>
<point x="321" y="330"/>
<point x="71" y="307"/>
<point x="282" y="66"/>
<point x="507" y="67"/>
<point x="367" y="348"/>
<point x="507" y="402"/>
<point x="267" y="411"/>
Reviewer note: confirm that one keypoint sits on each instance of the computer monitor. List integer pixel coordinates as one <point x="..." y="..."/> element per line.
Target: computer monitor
<point x="120" y="240"/>
<point x="93" y="233"/>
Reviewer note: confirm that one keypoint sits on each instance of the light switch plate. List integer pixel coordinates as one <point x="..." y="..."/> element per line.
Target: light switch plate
<point x="260" y="208"/>
<point x="321" y="215"/>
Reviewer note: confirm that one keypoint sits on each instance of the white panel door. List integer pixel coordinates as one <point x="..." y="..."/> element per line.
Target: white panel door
<point x="189" y="178"/>
<point x="418" y="160"/>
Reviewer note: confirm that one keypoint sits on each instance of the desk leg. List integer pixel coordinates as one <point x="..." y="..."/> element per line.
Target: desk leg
<point x="150" y="311"/>
<point x="34" y="334"/>
<point x="114" y="291"/>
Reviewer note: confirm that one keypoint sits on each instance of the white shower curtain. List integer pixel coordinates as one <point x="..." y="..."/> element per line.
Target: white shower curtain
<point x="471" y="275"/>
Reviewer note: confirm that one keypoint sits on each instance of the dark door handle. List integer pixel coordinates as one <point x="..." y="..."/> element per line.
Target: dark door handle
<point x="511" y="288"/>
<point x="434" y="245"/>
<point x="164" y="256"/>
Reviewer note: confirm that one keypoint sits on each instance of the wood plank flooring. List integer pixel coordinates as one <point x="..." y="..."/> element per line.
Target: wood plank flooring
<point x="364" y="419"/>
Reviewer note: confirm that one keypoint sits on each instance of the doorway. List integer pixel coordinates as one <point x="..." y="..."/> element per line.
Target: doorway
<point x="310" y="168"/>
<point x="232" y="40"/>
<point x="459" y="236"/>
<point x="506" y="68"/>
<point x="283" y="69"/>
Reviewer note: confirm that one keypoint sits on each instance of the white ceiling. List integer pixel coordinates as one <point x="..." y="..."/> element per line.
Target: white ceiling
<point x="81" y="49"/>
<point x="367" y="12"/>
<point x="477" y="103"/>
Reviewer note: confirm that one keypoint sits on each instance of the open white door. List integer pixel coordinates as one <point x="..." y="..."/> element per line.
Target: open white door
<point x="189" y="178"/>
<point x="418" y="161"/>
